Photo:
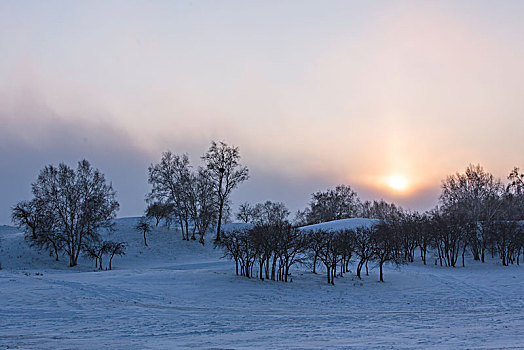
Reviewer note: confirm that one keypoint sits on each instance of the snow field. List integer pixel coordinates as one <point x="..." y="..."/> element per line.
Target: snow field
<point x="177" y="294"/>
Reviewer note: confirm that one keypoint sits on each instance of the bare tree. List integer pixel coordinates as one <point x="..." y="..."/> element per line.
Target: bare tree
<point x="226" y="173"/>
<point x="516" y="179"/>
<point x="363" y="248"/>
<point x="144" y="226"/>
<point x="159" y="211"/>
<point x="171" y="181"/>
<point x="291" y="244"/>
<point x="202" y="203"/>
<point x="381" y="210"/>
<point x="315" y="244"/>
<point x="38" y="228"/>
<point x="385" y="244"/>
<point x="24" y="215"/>
<point x="115" y="248"/>
<point x="474" y="195"/>
<point x="246" y="213"/>
<point x="230" y="243"/>
<point x="270" y="213"/>
<point x="96" y="250"/>
<point x="334" y="204"/>
<point x="72" y="206"/>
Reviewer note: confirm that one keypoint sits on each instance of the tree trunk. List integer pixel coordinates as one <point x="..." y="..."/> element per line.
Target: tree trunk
<point x="273" y="267"/>
<point x="267" y="266"/>
<point x="476" y="255"/>
<point x="359" y="268"/>
<point x="381" y="273"/>
<point x="182" y="228"/>
<point x="145" y="241"/>
<point x="220" y="208"/>
<point x="56" y="251"/>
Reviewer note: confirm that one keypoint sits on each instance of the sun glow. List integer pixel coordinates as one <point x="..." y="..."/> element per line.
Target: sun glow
<point x="398" y="183"/>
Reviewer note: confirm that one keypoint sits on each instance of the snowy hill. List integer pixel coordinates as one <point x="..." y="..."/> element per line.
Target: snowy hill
<point x="165" y="247"/>
<point x="180" y="294"/>
<point x="343" y="224"/>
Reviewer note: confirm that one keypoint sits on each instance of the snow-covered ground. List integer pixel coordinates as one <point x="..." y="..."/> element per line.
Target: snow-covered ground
<point x="177" y="294"/>
<point x="343" y="224"/>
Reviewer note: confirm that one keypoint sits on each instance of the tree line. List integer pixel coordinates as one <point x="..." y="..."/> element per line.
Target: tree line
<point x="71" y="207"/>
<point x="476" y="214"/>
<point x="270" y="244"/>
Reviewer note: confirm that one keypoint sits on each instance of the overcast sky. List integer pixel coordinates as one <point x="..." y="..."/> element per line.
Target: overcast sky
<point x="314" y="93"/>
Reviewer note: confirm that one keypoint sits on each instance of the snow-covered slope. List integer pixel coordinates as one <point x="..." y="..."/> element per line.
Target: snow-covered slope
<point x="165" y="246"/>
<point x="236" y="226"/>
<point x="176" y="294"/>
<point x="343" y="224"/>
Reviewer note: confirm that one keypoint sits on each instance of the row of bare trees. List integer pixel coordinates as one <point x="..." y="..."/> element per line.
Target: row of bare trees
<point x="270" y="250"/>
<point x="268" y="244"/>
<point x="477" y="214"/>
<point x="273" y="249"/>
<point x="342" y="202"/>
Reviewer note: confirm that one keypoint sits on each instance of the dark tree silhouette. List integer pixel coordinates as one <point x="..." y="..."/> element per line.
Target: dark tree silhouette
<point x="225" y="172"/>
<point x="115" y="248"/>
<point x="144" y="226"/>
<point x="71" y="206"/>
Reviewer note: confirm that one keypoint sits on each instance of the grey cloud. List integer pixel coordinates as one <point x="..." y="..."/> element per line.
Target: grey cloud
<point x="31" y="139"/>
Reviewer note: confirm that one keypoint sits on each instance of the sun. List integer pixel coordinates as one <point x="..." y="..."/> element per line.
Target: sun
<point x="398" y="183"/>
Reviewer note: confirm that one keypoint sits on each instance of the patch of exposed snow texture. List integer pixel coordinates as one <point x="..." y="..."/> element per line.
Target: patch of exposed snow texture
<point x="180" y="294"/>
<point x="343" y="224"/>
<point x="236" y="226"/>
